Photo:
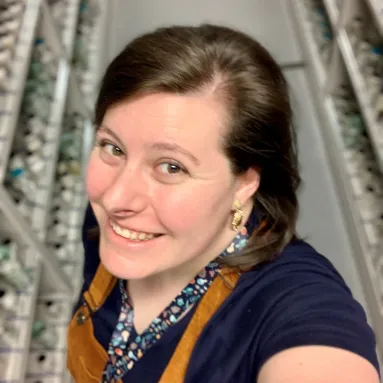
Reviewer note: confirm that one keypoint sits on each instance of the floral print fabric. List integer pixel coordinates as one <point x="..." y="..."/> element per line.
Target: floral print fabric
<point x="125" y="352"/>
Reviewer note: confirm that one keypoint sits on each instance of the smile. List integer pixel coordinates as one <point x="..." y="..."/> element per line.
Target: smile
<point x="131" y="234"/>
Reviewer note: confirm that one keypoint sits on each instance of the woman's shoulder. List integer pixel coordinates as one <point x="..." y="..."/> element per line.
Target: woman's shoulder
<point x="297" y="299"/>
<point x="301" y="299"/>
<point x="292" y="281"/>
<point x="298" y="264"/>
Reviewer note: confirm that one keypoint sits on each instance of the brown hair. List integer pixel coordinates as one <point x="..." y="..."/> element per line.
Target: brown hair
<point x="184" y="60"/>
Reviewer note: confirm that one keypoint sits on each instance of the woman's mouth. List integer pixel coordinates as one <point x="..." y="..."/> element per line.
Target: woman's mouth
<point x="131" y="234"/>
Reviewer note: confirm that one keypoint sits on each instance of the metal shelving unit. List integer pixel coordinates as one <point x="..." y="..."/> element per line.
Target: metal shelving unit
<point x="333" y="11"/>
<point x="310" y="49"/>
<point x="375" y="129"/>
<point x="70" y="30"/>
<point x="22" y="323"/>
<point x="11" y="96"/>
<point x="376" y="8"/>
<point x="52" y="261"/>
<point x="343" y="69"/>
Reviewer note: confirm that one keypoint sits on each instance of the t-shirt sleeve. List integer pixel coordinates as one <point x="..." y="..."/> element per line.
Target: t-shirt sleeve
<point x="310" y="304"/>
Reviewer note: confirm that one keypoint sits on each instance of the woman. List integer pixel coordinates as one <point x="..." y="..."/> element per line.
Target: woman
<point x="196" y="273"/>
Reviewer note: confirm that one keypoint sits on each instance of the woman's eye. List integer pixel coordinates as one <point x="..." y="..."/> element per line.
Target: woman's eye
<point x="114" y="150"/>
<point x="111" y="149"/>
<point x="169" y="168"/>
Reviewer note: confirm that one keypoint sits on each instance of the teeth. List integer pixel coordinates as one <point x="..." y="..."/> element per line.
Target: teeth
<point x="130" y="234"/>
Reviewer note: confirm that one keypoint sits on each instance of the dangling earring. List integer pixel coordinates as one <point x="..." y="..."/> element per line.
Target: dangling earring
<point x="238" y="215"/>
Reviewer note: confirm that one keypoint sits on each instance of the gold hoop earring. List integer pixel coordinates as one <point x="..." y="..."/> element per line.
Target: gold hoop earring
<point x="238" y="215"/>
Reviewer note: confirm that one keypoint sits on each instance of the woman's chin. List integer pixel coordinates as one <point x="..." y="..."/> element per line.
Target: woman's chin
<point x="124" y="268"/>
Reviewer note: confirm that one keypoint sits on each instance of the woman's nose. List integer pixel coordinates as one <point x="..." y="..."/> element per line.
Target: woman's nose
<point x="127" y="193"/>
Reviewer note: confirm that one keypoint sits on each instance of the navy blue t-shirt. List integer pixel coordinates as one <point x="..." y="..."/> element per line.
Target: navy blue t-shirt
<point x="297" y="299"/>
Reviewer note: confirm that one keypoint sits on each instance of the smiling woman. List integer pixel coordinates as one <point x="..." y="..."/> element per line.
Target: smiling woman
<point x="197" y="273"/>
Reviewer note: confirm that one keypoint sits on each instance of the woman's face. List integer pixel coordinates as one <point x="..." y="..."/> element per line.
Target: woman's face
<point x="161" y="187"/>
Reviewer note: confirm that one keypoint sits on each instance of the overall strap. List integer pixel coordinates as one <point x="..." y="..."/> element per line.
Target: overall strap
<point x="86" y="357"/>
<point x="100" y="288"/>
<point x="220" y="289"/>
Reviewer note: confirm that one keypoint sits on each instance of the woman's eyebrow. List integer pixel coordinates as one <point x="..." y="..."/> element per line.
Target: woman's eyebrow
<point x="105" y="129"/>
<point x="174" y="148"/>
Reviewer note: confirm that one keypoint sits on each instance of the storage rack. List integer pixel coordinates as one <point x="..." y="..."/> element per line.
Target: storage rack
<point x="342" y="43"/>
<point x="50" y="60"/>
<point x="327" y="38"/>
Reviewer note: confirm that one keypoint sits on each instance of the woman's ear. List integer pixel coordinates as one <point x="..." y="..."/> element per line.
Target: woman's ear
<point x="248" y="184"/>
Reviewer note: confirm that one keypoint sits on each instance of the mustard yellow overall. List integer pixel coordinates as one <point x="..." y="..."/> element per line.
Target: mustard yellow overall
<point x="87" y="358"/>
